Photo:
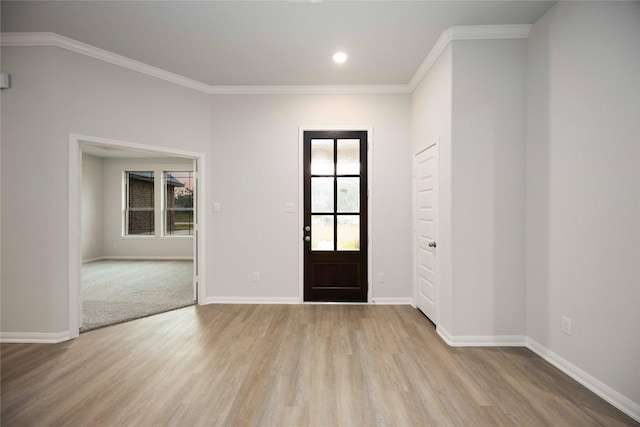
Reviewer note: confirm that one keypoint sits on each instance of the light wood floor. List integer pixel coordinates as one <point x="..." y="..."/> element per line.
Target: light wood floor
<point x="298" y="365"/>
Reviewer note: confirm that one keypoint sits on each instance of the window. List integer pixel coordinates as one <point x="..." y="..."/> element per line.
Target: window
<point x="178" y="217"/>
<point x="174" y="214"/>
<point x="139" y="212"/>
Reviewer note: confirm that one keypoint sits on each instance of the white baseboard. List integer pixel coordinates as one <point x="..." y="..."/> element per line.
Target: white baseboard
<point x="295" y="300"/>
<point x="251" y="300"/>
<point x="392" y="301"/>
<point x="481" y="340"/>
<point x="86" y="261"/>
<point x="621" y="402"/>
<point x="141" y="258"/>
<point x="34" y="337"/>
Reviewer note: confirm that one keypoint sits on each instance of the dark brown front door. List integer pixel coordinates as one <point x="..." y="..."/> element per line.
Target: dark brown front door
<point x="335" y="216"/>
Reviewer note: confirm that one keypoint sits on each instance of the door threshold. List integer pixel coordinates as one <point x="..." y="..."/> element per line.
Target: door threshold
<point x="335" y="303"/>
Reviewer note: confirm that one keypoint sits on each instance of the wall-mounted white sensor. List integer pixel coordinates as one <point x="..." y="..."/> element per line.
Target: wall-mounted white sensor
<point x="5" y="81"/>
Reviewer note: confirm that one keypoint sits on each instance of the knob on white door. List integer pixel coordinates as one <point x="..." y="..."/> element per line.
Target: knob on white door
<point x="432" y="244"/>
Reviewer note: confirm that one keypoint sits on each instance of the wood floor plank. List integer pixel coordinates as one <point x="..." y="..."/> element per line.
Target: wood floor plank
<point x="286" y="365"/>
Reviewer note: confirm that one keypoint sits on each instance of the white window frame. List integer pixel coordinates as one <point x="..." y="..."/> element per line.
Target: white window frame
<point x="126" y="210"/>
<point x="163" y="201"/>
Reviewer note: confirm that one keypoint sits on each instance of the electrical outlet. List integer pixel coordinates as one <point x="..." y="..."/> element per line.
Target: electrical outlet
<point x="565" y="325"/>
<point x="380" y="277"/>
<point x="256" y="276"/>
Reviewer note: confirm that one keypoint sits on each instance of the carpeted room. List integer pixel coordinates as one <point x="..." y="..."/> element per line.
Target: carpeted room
<point x="136" y="233"/>
<point x="115" y="291"/>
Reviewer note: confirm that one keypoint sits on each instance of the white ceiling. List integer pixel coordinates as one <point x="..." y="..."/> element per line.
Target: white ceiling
<point x="114" y="152"/>
<point x="240" y="43"/>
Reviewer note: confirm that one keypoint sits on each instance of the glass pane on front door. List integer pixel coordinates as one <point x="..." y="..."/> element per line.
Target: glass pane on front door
<point x="348" y="232"/>
<point x="348" y="157"/>
<point x="348" y="195"/>
<point x="322" y="232"/>
<point x="321" y="195"/>
<point x="322" y="157"/>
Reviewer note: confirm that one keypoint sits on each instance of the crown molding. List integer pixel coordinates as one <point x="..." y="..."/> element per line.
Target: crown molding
<point x="477" y="32"/>
<point x="52" y="39"/>
<point x="474" y="32"/>
<point x="302" y="90"/>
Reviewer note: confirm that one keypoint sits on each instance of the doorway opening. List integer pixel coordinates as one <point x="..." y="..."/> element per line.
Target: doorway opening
<point x="152" y="204"/>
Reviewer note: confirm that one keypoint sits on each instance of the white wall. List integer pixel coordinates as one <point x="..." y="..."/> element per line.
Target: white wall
<point x="472" y="101"/>
<point x="431" y="121"/>
<point x="583" y="213"/>
<point x="115" y="244"/>
<point x="256" y="171"/>
<point x="92" y="207"/>
<point x="56" y="92"/>
<point x="488" y="183"/>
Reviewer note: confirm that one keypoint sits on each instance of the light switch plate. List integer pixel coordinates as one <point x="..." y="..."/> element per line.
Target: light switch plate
<point x="5" y="81"/>
<point x="565" y="325"/>
<point x="289" y="207"/>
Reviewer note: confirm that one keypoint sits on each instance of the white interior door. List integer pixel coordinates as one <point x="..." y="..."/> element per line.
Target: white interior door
<point x="196" y="228"/>
<point x="426" y="186"/>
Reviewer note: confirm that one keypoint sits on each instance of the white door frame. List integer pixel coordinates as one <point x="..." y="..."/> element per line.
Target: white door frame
<point x="301" y="131"/>
<point x="74" y="245"/>
<point x="436" y="319"/>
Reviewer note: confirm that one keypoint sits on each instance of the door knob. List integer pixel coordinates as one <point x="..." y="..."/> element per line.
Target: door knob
<point x="307" y="238"/>
<point x="432" y="244"/>
<point x="307" y="228"/>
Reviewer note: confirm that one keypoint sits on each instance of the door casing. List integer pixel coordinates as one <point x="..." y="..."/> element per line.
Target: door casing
<point x="370" y="145"/>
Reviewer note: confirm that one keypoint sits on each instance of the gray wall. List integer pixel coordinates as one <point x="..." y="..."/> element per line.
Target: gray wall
<point x="430" y="121"/>
<point x="582" y="188"/>
<point x="55" y="92"/>
<point x="488" y="182"/>
<point x="256" y="171"/>
<point x="114" y="243"/>
<point x="473" y="101"/>
<point x="102" y="214"/>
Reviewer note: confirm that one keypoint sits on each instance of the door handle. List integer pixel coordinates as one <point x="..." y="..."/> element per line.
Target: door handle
<point x="432" y="244"/>
<point x="307" y="238"/>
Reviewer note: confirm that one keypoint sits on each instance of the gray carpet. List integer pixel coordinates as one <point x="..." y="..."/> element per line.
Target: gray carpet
<point x="115" y="291"/>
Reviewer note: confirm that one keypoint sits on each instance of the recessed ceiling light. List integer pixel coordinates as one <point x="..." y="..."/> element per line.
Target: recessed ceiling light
<point x="340" y="57"/>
